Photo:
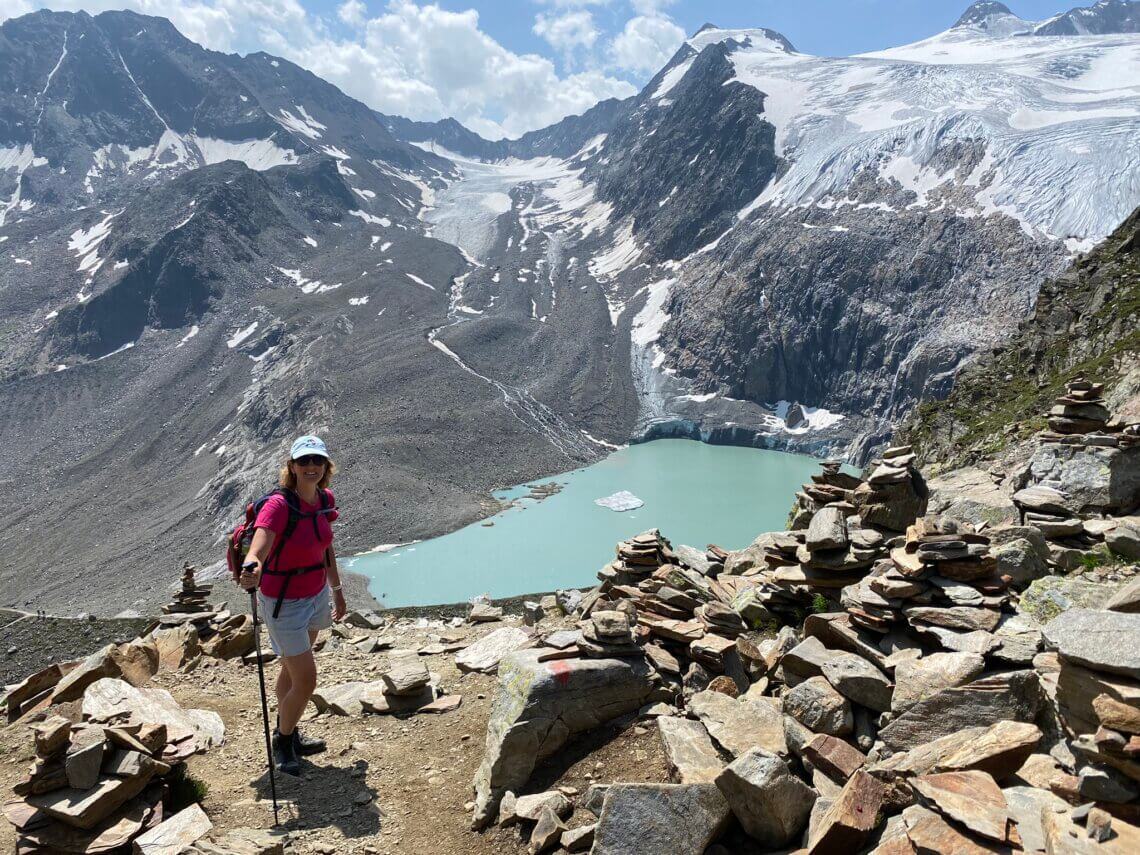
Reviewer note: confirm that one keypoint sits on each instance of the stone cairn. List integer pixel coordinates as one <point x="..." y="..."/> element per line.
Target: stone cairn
<point x="221" y="634"/>
<point x="1059" y="497"/>
<point x="906" y="681"/>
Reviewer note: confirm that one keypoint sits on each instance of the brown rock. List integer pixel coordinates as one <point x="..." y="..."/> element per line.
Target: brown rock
<point x="689" y="750"/>
<point x="52" y="735"/>
<point x="137" y="660"/>
<point x="32" y="687"/>
<point x="930" y="834"/>
<point x="999" y="750"/>
<point x="87" y="808"/>
<point x="176" y="646"/>
<point x="1089" y="699"/>
<point x="849" y="821"/>
<point x="725" y="685"/>
<point x="579" y="839"/>
<point x="174" y="835"/>
<point x="973" y="799"/>
<point x="98" y="665"/>
<point x="547" y="832"/>
<point x="833" y="756"/>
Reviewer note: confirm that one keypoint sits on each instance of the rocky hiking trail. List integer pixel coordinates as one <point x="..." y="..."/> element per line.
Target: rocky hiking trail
<point x="910" y="667"/>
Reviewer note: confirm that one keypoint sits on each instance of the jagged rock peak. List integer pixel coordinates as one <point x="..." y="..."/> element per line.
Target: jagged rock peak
<point x="756" y="37"/>
<point x="1107" y="16"/>
<point x="708" y="25"/>
<point x="978" y="13"/>
<point x="993" y="18"/>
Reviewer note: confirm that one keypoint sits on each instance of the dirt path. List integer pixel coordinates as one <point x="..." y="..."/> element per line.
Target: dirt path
<point x="386" y="784"/>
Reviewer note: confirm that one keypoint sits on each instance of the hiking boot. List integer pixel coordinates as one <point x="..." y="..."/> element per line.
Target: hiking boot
<point x="306" y="745"/>
<point x="285" y="754"/>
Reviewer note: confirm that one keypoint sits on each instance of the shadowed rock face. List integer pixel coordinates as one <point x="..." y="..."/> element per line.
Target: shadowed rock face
<point x="539" y="705"/>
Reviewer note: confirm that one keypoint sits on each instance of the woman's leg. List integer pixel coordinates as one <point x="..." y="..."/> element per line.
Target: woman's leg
<point x="285" y="682"/>
<point x="301" y="674"/>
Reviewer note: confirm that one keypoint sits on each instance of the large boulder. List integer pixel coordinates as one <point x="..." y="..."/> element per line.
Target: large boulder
<point x="1093" y="479"/>
<point x="111" y="700"/>
<point x="539" y="705"/>
<point x="654" y="819"/>
<point x="918" y="679"/>
<point x="1101" y="640"/>
<point x="1124" y="538"/>
<point x="1013" y="696"/>
<point x="970" y="494"/>
<point x="771" y="803"/>
<point x="739" y="724"/>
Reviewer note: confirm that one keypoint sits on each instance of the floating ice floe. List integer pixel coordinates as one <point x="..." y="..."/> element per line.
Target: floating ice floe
<point x="623" y="500"/>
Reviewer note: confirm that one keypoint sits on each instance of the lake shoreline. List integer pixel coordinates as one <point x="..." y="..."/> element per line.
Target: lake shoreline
<point x="737" y="491"/>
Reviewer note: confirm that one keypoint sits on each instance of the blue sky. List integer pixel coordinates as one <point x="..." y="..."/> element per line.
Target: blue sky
<point x="503" y="67"/>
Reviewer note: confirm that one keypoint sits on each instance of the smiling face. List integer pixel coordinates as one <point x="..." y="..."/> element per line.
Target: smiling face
<point x="309" y="470"/>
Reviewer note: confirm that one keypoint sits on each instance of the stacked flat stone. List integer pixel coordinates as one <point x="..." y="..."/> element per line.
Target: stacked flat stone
<point x="829" y="486"/>
<point x="637" y="558"/>
<point x="91" y="788"/>
<point x="1081" y="410"/>
<point x="191" y="597"/>
<point x="894" y="493"/>
<point x="1097" y="664"/>
<point x="608" y="633"/>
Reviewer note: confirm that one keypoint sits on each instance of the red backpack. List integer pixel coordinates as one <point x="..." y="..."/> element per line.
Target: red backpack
<point x="238" y="543"/>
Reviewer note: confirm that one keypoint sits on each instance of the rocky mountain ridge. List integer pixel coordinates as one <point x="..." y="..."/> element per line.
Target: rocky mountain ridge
<point x="204" y="255"/>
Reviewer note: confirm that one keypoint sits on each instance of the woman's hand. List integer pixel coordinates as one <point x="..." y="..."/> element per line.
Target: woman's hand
<point x="340" y="607"/>
<point x="250" y="577"/>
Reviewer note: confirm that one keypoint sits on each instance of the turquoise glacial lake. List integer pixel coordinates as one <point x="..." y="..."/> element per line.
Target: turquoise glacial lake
<point x="695" y="493"/>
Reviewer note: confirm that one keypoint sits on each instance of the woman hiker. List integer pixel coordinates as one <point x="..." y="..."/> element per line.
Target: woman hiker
<point x="296" y="576"/>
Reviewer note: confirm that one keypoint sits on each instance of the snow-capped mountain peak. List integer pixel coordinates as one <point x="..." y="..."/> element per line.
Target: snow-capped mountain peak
<point x="994" y="19"/>
<point x="1106" y="16"/>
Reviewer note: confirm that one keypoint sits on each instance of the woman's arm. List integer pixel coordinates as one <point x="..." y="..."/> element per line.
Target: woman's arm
<point x="340" y="607"/>
<point x="259" y="548"/>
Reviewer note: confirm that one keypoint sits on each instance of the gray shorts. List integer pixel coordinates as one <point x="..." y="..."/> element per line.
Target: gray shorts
<point x="289" y="631"/>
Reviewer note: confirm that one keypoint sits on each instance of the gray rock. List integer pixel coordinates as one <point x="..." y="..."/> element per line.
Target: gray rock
<point x="689" y="750"/>
<point x="806" y="659"/>
<point x="819" y="708"/>
<point x="771" y="803"/>
<point x="84" y="761"/>
<point x="739" y="724"/>
<point x="919" y="679"/>
<point x="343" y="698"/>
<point x="653" y="819"/>
<point x="1105" y="785"/>
<point x="1093" y="479"/>
<point x="1101" y="640"/>
<point x="547" y="833"/>
<point x="1025" y="806"/>
<point x="98" y="665"/>
<point x="827" y="530"/>
<point x="1020" y="560"/>
<point x="1124" y="539"/>
<point x="856" y="678"/>
<point x="531" y="807"/>
<point x="1126" y="599"/>
<point x="594" y="798"/>
<point x="364" y="619"/>
<point x="579" y="839"/>
<point x="698" y="559"/>
<point x="115" y="700"/>
<point x="481" y="612"/>
<point x="1019" y="637"/>
<point x="485" y="654"/>
<point x="1015" y="696"/>
<point x="539" y="705"/>
<point x="979" y="641"/>
<point x="175" y="834"/>
<point x="406" y="673"/>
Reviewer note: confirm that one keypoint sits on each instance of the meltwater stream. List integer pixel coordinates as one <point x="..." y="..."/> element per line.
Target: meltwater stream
<point x="695" y="493"/>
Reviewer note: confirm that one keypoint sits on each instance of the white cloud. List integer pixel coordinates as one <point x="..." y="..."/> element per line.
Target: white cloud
<point x="651" y="7"/>
<point x="420" y="61"/>
<point x="352" y="12"/>
<point x="567" y="31"/>
<point x="646" y="43"/>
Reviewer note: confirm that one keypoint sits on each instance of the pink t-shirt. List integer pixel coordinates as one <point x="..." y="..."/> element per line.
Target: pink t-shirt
<point x="304" y="547"/>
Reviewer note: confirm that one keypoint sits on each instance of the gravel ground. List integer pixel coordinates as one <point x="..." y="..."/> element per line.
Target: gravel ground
<point x="386" y="784"/>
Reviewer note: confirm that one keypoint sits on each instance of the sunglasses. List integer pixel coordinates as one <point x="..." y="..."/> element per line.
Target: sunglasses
<point x="310" y="460"/>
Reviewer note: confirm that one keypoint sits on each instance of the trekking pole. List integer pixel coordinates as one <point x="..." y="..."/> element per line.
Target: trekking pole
<point x="264" y="702"/>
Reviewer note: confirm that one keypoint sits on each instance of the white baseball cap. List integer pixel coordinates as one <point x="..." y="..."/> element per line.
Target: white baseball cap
<point x="305" y="445"/>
